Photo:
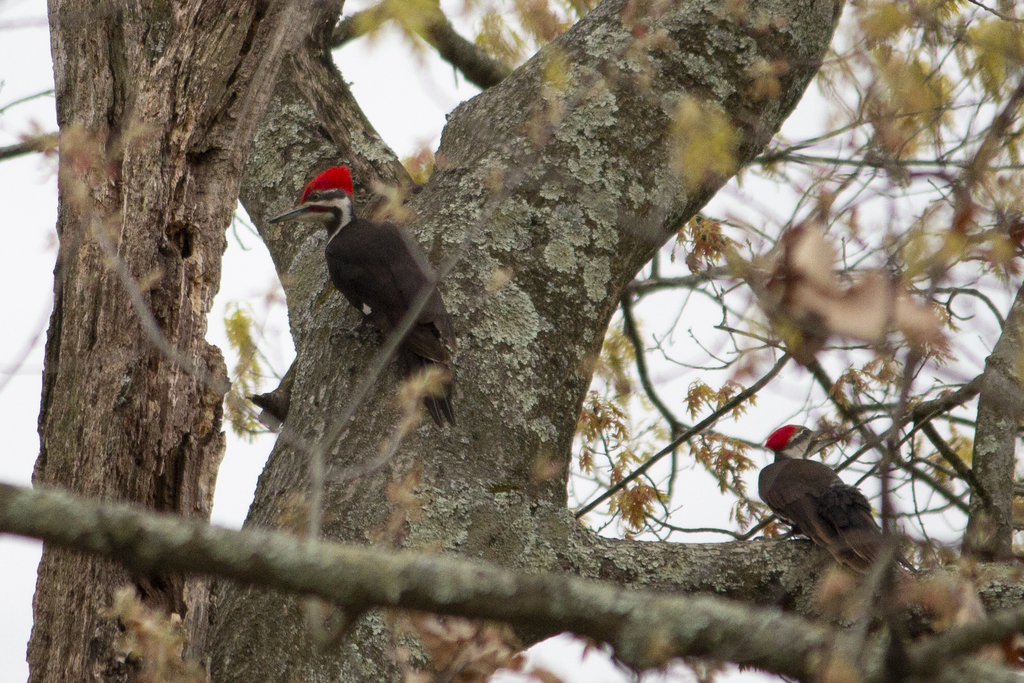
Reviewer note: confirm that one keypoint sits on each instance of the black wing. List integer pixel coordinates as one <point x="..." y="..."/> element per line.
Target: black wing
<point x="815" y="501"/>
<point x="373" y="266"/>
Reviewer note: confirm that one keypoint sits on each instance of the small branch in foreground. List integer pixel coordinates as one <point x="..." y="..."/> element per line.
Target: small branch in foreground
<point x="655" y="283"/>
<point x="35" y="143"/>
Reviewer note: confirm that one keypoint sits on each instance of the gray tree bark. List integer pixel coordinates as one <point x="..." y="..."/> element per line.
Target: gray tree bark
<point x="571" y="207"/>
<point x="157" y="105"/>
<point x="1000" y="414"/>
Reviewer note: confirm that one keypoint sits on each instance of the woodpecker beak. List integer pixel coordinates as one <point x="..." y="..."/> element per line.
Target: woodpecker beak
<point x="287" y="214"/>
<point x="820" y="441"/>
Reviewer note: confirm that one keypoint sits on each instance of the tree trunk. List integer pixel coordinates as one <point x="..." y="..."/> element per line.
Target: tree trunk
<point x="157" y="105"/>
<point x="1000" y="412"/>
<point x="570" y="207"/>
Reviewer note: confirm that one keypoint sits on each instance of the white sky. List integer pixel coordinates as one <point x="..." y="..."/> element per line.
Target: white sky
<point x="408" y="112"/>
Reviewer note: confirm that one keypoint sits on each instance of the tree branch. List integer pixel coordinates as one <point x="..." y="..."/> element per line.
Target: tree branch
<point x="656" y="284"/>
<point x="962" y="470"/>
<point x="645" y="628"/>
<point x="477" y="66"/>
<point x="631" y="332"/>
<point x="36" y="143"/>
<point x="927" y="410"/>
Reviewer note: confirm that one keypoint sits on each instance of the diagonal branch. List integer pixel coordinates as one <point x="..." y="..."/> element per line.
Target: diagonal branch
<point x="711" y="419"/>
<point x="962" y="469"/>
<point x="477" y="66"/>
<point x="35" y="143"/>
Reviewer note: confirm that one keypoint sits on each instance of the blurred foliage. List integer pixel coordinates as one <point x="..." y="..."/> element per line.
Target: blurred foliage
<point x="247" y="374"/>
<point x="153" y="641"/>
<point x="704" y="143"/>
<point x="703" y="242"/>
<point x="420" y="165"/>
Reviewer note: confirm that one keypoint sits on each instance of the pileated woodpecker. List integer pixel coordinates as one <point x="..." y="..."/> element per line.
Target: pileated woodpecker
<point x="812" y="498"/>
<point x="381" y="273"/>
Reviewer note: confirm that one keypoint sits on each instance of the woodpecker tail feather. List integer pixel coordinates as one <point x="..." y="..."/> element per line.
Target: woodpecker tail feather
<point x="440" y="408"/>
<point x="439" y="404"/>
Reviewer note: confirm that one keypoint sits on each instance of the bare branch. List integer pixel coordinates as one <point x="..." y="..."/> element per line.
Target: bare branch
<point x="631" y="332"/>
<point x="656" y="284"/>
<point x="930" y="409"/>
<point x="35" y="143"/>
<point x="961" y="468"/>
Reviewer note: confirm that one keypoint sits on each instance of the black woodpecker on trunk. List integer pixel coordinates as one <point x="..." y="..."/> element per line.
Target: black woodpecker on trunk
<point x="810" y="496"/>
<point x="381" y="272"/>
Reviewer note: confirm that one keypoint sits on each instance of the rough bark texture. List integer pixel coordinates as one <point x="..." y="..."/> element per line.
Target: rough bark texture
<point x="1000" y="413"/>
<point x="570" y="207"/>
<point x="156" y="118"/>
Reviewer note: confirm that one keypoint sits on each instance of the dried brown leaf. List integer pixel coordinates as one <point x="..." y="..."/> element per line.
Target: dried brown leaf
<point x="800" y="289"/>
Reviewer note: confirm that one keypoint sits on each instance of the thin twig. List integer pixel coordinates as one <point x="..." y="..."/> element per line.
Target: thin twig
<point x="633" y="335"/>
<point x="655" y="284"/>
<point x="687" y="435"/>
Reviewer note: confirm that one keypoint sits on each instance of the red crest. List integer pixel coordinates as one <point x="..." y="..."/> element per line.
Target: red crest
<point x="337" y="178"/>
<point x="780" y="437"/>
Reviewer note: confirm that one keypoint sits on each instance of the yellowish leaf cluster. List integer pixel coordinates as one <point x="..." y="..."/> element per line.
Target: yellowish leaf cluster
<point x="247" y="374"/>
<point x="998" y="50"/>
<point x="703" y="143"/>
<point x="705" y="244"/>
<point x="153" y="641"/>
<point x="420" y="165"/>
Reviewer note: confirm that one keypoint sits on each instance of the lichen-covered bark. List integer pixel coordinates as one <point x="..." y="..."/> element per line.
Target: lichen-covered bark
<point x="1000" y="413"/>
<point x="157" y="104"/>
<point x="568" y="208"/>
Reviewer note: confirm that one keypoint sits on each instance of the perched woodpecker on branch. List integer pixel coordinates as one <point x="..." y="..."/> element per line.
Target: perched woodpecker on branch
<point x="810" y="496"/>
<point x="381" y="271"/>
